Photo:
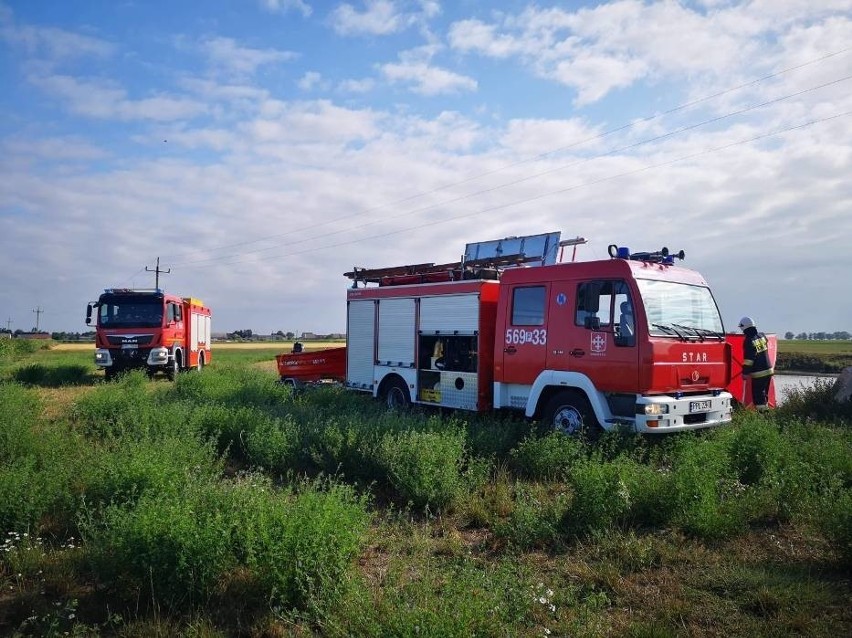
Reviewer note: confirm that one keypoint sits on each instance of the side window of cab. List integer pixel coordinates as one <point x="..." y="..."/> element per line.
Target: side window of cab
<point x="173" y="313"/>
<point x="605" y="305"/>
<point x="528" y="304"/>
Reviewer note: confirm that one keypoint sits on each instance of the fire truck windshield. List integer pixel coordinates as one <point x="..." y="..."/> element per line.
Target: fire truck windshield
<point x="680" y="310"/>
<point x="130" y="312"/>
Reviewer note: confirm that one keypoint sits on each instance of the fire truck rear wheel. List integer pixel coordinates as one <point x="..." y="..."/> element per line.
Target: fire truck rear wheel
<point x="571" y="414"/>
<point x="396" y="395"/>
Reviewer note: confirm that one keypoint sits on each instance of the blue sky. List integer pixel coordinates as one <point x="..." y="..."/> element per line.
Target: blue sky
<point x="261" y="148"/>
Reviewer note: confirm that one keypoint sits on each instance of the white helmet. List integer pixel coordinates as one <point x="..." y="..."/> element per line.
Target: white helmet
<point x="746" y="322"/>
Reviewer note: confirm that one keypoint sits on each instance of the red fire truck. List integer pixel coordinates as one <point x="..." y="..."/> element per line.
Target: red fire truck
<point x="149" y="329"/>
<point x="632" y="342"/>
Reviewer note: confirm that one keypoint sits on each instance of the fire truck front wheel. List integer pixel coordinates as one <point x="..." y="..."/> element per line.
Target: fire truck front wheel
<point x="173" y="367"/>
<point x="571" y="414"/>
<point x="396" y="394"/>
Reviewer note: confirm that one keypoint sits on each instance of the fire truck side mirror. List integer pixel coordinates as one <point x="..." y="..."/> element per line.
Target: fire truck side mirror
<point x="89" y="314"/>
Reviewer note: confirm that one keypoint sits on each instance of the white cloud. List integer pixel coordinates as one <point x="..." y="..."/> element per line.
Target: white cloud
<point x="285" y="6"/>
<point x="227" y="54"/>
<point x="379" y="18"/>
<point x="415" y="70"/>
<point x="427" y="80"/>
<point x="106" y="101"/>
<point x="319" y="121"/>
<point x="383" y="17"/>
<point x="55" y="45"/>
<point x="595" y="76"/>
<point x="476" y="36"/>
<point x="614" y="45"/>
<point x="364" y="85"/>
<point x="311" y="80"/>
<point x="52" y="149"/>
<point x="529" y="137"/>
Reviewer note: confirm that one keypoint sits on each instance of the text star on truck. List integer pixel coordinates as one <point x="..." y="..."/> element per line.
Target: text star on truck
<point x="150" y="330"/>
<point x="629" y="342"/>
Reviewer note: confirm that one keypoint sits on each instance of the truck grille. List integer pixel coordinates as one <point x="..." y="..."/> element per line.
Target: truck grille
<point x="140" y="340"/>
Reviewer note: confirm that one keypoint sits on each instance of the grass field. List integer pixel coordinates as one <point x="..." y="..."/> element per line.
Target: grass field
<point x="816" y="347"/>
<point x="814" y="356"/>
<point x="223" y="504"/>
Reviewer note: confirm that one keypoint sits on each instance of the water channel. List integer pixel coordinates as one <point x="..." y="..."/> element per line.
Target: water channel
<point x="784" y="383"/>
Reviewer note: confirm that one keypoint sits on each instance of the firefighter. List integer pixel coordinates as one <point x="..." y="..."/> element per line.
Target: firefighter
<point x="756" y="363"/>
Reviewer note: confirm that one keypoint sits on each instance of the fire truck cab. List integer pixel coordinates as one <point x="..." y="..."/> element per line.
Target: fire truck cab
<point x="629" y="342"/>
<point x="149" y="329"/>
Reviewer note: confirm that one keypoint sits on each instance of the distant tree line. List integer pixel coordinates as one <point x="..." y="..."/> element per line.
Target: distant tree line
<point x="73" y="336"/>
<point x="56" y="336"/>
<point x="279" y="335"/>
<point x="841" y="335"/>
<point x="249" y="335"/>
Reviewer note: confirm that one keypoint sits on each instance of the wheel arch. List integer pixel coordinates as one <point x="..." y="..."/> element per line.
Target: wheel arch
<point x="551" y="382"/>
<point x="389" y="379"/>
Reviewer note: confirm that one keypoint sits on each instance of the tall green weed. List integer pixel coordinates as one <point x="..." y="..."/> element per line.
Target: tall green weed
<point x="547" y="457"/>
<point x="299" y="544"/>
<point x="182" y="546"/>
<point x="816" y="403"/>
<point x="120" y="471"/>
<point x="447" y="599"/>
<point x="19" y="408"/>
<point x="37" y="488"/>
<point x="425" y="467"/>
<point x="705" y="489"/>
<point x="11" y="349"/>
<point x="175" y="545"/>
<point x="601" y="497"/>
<point x="536" y="517"/>
<point x="54" y="376"/>
<point x="273" y="443"/>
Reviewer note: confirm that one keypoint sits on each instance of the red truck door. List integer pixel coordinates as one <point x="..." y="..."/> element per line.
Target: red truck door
<point x="593" y="331"/>
<point x="525" y="339"/>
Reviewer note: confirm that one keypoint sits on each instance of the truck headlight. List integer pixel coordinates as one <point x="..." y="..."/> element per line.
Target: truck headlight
<point x="158" y="356"/>
<point x="655" y="409"/>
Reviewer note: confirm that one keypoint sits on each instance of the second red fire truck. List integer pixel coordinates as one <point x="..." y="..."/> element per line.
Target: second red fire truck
<point x="633" y="341"/>
<point x="150" y="330"/>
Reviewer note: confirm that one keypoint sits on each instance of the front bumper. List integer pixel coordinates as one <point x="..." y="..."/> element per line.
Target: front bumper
<point x="682" y="414"/>
<point x="132" y="357"/>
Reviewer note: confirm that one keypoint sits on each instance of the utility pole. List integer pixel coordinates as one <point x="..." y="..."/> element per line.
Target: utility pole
<point x="158" y="271"/>
<point x="9" y="324"/>
<point x="37" y="312"/>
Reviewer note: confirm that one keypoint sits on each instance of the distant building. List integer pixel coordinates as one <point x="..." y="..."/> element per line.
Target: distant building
<point x="33" y="335"/>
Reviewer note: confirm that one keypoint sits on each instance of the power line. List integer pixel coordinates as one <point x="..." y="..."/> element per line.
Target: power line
<point x="565" y="190"/>
<point x="642" y="120"/>
<point x="657" y="138"/>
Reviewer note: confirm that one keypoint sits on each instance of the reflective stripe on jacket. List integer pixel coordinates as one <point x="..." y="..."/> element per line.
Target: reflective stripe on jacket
<point x="756" y="361"/>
